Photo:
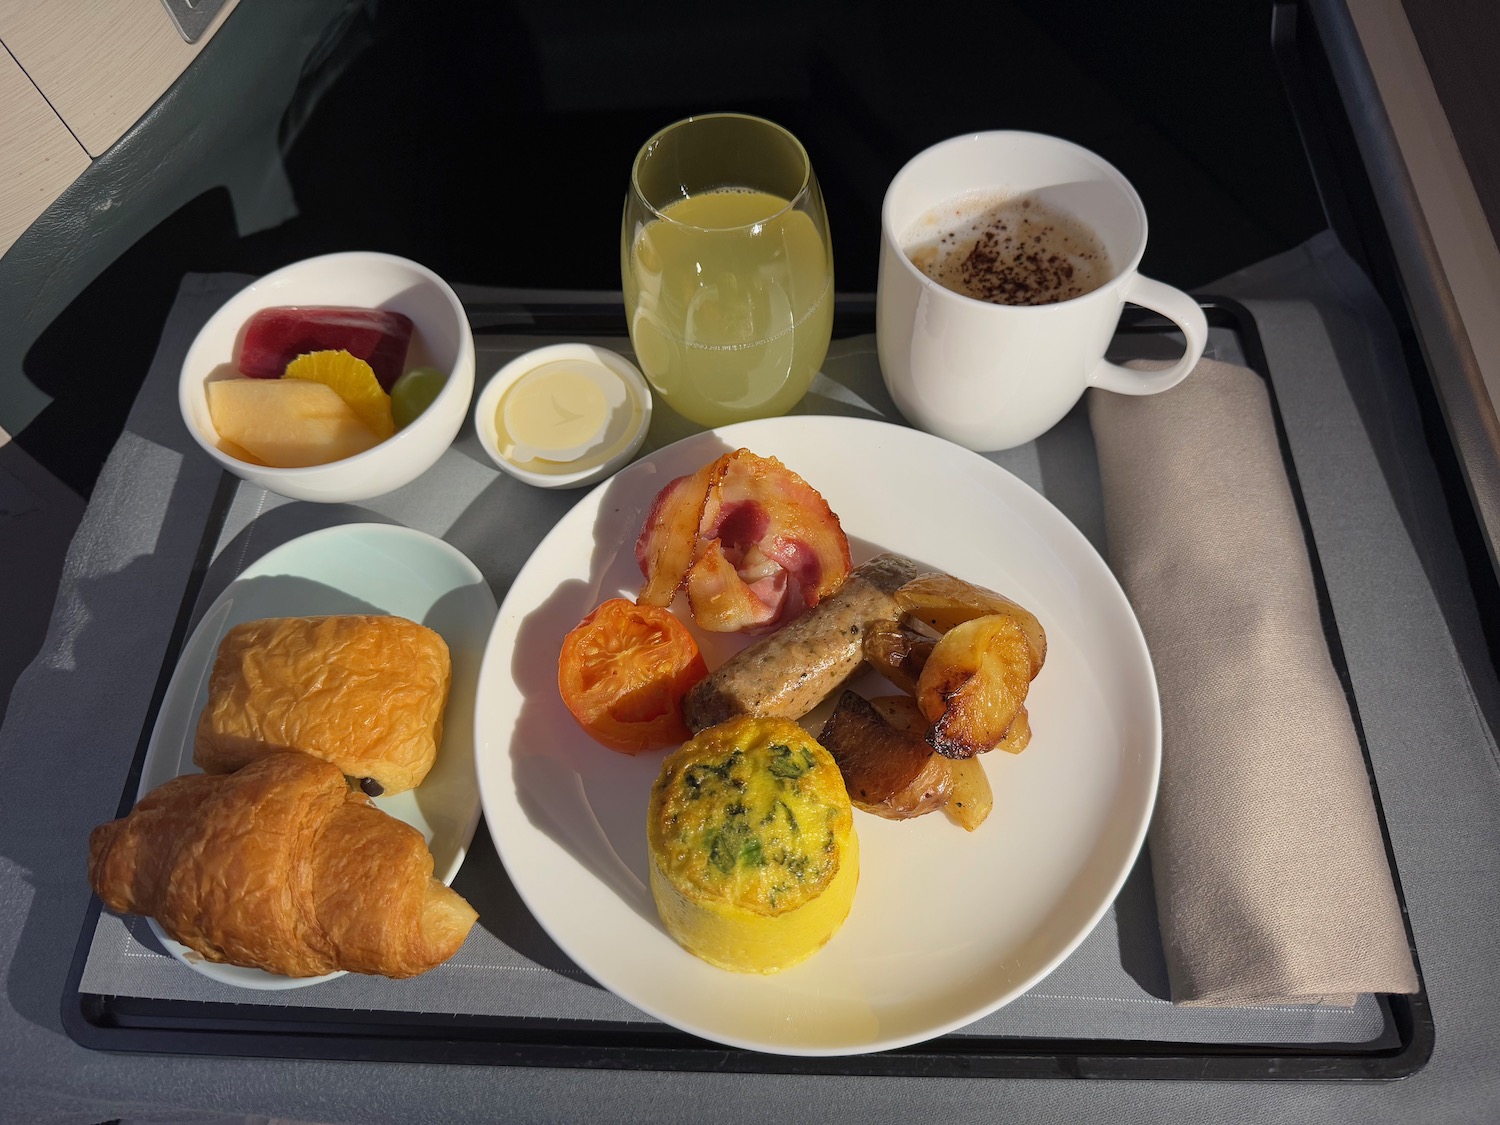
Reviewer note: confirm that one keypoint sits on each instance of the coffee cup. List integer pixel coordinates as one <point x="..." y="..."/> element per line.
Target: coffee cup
<point x="1013" y="217"/>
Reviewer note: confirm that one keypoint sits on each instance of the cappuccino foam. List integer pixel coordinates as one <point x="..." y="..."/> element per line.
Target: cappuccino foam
<point x="1007" y="250"/>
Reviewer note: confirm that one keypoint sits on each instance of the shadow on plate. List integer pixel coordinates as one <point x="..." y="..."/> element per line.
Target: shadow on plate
<point x="486" y="885"/>
<point x="276" y="528"/>
<point x="586" y="797"/>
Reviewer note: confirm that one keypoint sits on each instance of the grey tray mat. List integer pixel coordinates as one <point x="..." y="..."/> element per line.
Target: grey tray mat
<point x="1112" y="987"/>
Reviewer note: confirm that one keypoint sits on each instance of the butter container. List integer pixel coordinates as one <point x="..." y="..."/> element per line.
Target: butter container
<point x="564" y="416"/>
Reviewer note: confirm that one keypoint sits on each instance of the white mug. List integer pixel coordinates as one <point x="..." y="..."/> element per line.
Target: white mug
<point x="991" y="376"/>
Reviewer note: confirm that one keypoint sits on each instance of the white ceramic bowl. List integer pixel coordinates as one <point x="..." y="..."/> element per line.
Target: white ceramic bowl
<point x="589" y="469"/>
<point x="441" y="337"/>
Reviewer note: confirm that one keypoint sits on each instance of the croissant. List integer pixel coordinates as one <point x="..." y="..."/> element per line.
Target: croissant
<point x="280" y="866"/>
<point x="363" y="691"/>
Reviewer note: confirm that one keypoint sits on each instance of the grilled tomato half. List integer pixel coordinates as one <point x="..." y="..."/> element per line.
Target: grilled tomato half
<point x="623" y="671"/>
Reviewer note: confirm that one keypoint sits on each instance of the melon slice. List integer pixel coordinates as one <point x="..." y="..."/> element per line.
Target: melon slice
<point x="287" y="423"/>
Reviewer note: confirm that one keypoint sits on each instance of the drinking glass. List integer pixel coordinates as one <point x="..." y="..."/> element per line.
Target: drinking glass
<point x="727" y="268"/>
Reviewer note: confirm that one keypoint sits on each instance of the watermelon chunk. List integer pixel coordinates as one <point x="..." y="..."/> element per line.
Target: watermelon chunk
<point x="276" y="336"/>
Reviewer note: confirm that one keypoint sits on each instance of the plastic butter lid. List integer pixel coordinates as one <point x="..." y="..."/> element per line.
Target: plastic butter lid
<point x="562" y="411"/>
<point x="564" y="416"/>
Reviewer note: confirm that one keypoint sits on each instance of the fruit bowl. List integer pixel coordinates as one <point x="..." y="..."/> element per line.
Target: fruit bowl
<point x="441" y="338"/>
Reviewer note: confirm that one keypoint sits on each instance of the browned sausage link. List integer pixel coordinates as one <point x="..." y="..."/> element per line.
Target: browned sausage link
<point x="794" y="669"/>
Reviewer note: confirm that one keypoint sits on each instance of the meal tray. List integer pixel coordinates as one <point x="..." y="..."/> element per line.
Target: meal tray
<point x="303" y="1028"/>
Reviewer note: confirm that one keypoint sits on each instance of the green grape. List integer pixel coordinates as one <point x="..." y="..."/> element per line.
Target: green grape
<point x="413" y="393"/>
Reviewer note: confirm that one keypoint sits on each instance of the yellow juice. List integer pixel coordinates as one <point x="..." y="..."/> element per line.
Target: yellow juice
<point x="730" y="304"/>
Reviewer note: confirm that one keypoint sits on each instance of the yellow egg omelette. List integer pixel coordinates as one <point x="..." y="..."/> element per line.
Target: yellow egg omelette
<point x="754" y="860"/>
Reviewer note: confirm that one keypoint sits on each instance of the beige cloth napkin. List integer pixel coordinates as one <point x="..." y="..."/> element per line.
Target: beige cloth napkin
<point x="1272" y="884"/>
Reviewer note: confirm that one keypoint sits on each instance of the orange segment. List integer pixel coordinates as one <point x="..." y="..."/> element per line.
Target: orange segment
<point x="353" y="380"/>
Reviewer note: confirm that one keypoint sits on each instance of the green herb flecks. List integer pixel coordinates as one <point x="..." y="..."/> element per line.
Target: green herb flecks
<point x="791" y="818"/>
<point x="788" y="763"/>
<point x="734" y="843"/>
<point x="699" y="778"/>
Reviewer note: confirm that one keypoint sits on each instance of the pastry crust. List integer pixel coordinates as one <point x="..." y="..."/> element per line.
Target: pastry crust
<point x="365" y="692"/>
<point x="280" y="866"/>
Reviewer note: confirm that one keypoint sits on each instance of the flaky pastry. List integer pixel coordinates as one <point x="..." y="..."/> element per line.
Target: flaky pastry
<point x="363" y="691"/>
<point x="280" y="866"/>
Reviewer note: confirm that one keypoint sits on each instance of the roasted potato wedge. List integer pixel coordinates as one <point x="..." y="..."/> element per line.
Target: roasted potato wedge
<point x="929" y="791"/>
<point x="898" y="653"/>
<point x="941" y="601"/>
<point x="1018" y="735"/>
<point x="971" y="798"/>
<point x="889" y="769"/>
<point x="901" y="712"/>
<point x="974" y="684"/>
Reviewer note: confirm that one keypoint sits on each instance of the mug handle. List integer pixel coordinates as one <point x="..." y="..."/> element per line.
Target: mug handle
<point x="1182" y="311"/>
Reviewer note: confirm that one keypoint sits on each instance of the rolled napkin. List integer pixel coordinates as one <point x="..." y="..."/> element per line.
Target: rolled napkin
<point x="1272" y="883"/>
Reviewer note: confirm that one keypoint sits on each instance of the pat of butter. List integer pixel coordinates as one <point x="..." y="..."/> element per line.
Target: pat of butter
<point x="566" y="413"/>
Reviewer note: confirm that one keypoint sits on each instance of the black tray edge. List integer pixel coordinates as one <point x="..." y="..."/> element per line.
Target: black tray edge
<point x="144" y="1026"/>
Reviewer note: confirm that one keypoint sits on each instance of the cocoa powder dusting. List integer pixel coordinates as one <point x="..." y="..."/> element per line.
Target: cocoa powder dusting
<point x="1015" y="253"/>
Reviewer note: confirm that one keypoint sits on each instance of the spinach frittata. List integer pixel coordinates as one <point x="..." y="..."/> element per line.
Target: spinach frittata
<point x="754" y="859"/>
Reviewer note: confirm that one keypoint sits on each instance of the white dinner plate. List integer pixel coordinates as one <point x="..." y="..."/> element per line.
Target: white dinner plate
<point x="352" y="568"/>
<point x="946" y="925"/>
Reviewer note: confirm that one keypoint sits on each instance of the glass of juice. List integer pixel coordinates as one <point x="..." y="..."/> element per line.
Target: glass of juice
<point x="727" y="268"/>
